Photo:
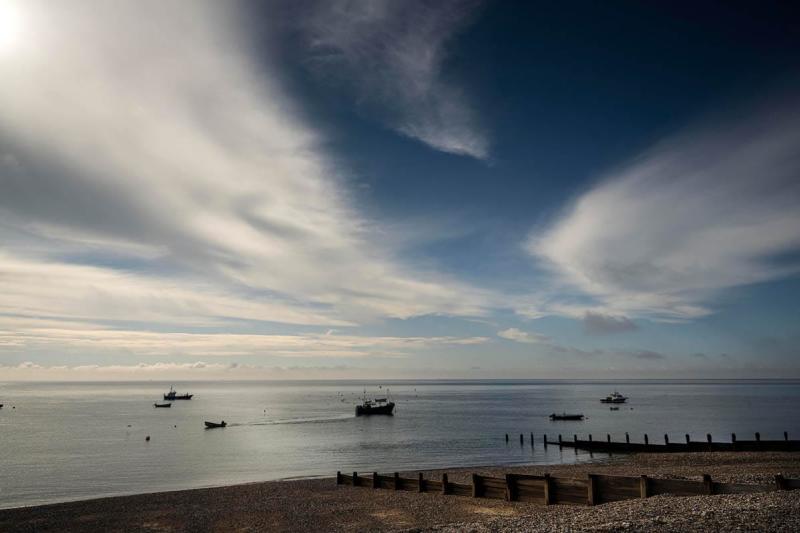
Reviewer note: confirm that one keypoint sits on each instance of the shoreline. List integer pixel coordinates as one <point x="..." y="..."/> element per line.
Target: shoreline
<point x="313" y="504"/>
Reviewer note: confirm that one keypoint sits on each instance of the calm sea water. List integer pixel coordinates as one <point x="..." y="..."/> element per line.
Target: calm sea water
<point x="66" y="441"/>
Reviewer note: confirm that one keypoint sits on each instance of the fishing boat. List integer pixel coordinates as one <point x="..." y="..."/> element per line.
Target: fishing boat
<point x="378" y="406"/>
<point x="614" y="397"/>
<point x="162" y="404"/>
<point x="565" y="416"/>
<point x="173" y="395"/>
<point x="211" y="425"/>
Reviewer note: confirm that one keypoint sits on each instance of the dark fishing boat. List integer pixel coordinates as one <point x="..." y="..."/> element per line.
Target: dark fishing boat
<point x="378" y="406"/>
<point x="211" y="425"/>
<point x="172" y="395"/>
<point x="565" y="416"/>
<point x="162" y="404"/>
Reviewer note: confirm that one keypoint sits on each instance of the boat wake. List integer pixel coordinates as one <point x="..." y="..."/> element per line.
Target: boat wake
<point x="305" y="420"/>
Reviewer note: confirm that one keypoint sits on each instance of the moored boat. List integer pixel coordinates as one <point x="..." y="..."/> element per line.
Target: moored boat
<point x="173" y="395"/>
<point x="614" y="397"/>
<point x="565" y="416"/>
<point x="211" y="425"/>
<point x="378" y="406"/>
<point x="162" y="404"/>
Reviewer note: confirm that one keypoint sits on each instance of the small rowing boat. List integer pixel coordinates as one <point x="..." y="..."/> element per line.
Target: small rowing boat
<point x="212" y="425"/>
<point x="565" y="416"/>
<point x="162" y="404"/>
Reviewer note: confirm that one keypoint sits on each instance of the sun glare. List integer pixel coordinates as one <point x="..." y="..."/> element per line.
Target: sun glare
<point x="11" y="24"/>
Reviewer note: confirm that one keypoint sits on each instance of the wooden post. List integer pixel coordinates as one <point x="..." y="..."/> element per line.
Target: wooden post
<point x="627" y="438"/>
<point x="511" y="488"/>
<point x="593" y="496"/>
<point x="687" y="438"/>
<point x="420" y="483"/>
<point x="575" y="439"/>
<point x="608" y="437"/>
<point x="521" y="440"/>
<point x="531" y="439"/>
<point x="708" y="485"/>
<point x="646" y="440"/>
<point x="758" y="436"/>
<point x="548" y="490"/>
<point x="708" y="437"/>
<point x="338" y="477"/>
<point x="785" y="435"/>
<point x="780" y="483"/>
<point x="643" y="487"/>
<point x="506" y="437"/>
<point x="666" y="439"/>
<point x="590" y="438"/>
<point x="476" y="485"/>
<point x="376" y="483"/>
<point x="733" y="438"/>
<point x="559" y="440"/>
<point x="355" y="479"/>
<point x="396" y="481"/>
<point x="544" y="440"/>
<point x="445" y="488"/>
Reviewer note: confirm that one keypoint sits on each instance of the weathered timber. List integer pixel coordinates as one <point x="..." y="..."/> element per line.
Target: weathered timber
<point x="593" y="490"/>
<point x="675" y="447"/>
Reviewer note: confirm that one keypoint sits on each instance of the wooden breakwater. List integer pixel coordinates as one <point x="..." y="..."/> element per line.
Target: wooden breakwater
<point x="549" y="490"/>
<point x="707" y="445"/>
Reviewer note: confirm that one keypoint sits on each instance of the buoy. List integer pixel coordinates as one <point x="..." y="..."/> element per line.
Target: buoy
<point x="147" y="438"/>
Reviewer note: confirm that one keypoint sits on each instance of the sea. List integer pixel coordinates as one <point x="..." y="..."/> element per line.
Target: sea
<point x="71" y="441"/>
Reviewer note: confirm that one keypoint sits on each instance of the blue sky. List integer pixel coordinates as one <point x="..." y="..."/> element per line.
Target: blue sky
<point x="398" y="189"/>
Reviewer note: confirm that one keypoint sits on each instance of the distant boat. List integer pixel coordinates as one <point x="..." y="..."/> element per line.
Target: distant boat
<point x="565" y="416"/>
<point x="378" y="406"/>
<point x="162" y="404"/>
<point x="614" y="397"/>
<point x="211" y="425"/>
<point x="172" y="395"/>
<point x="613" y="408"/>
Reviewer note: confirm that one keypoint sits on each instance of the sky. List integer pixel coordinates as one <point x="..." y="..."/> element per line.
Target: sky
<point x="331" y="189"/>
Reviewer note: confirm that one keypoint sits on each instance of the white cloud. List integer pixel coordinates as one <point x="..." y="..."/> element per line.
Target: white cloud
<point x="157" y="172"/>
<point x="514" y="334"/>
<point x="709" y="210"/>
<point x="19" y="335"/>
<point x="391" y="55"/>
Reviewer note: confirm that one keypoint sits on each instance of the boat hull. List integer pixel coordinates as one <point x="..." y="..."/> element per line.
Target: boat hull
<point x="178" y="396"/>
<point x="162" y="405"/>
<point x="211" y="425"/>
<point x="365" y="410"/>
<point x="566" y="417"/>
<point x="616" y="400"/>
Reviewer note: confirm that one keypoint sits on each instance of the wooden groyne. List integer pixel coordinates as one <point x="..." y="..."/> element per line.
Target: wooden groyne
<point x="707" y="445"/>
<point x="548" y="490"/>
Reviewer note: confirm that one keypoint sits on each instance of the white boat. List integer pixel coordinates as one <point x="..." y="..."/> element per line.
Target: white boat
<point x="614" y="397"/>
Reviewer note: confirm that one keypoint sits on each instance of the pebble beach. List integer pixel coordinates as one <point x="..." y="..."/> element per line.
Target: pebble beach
<point x="321" y="505"/>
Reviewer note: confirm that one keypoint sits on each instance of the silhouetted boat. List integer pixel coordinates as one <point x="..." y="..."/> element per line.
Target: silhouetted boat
<point x="211" y="425"/>
<point x="172" y="395"/>
<point x="614" y="397"/>
<point x="565" y="416"/>
<point x="378" y="406"/>
<point x="162" y="404"/>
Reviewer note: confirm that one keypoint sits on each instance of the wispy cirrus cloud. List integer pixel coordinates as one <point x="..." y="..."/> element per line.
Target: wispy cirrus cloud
<point x="517" y="335"/>
<point x="711" y="209"/>
<point x="391" y="56"/>
<point x="157" y="173"/>
<point x="33" y="334"/>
